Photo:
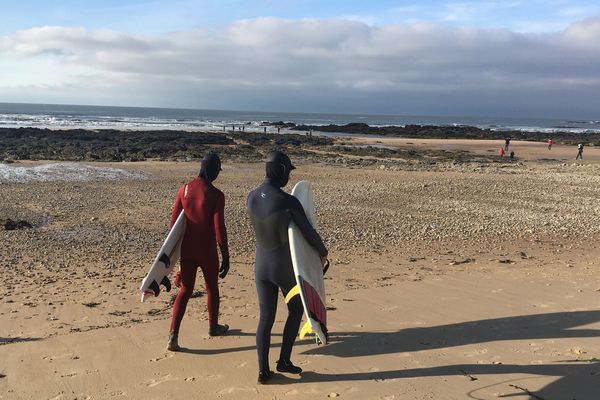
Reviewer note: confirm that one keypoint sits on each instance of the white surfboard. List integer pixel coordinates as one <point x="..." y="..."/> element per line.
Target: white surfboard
<point x="308" y="269"/>
<point x="165" y="260"/>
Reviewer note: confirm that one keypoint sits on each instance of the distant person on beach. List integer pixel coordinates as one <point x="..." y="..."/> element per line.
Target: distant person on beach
<point x="579" y="151"/>
<point x="506" y="143"/>
<point x="550" y="144"/>
<point x="501" y="153"/>
<point x="203" y="205"/>
<point x="271" y="210"/>
<point x="511" y="157"/>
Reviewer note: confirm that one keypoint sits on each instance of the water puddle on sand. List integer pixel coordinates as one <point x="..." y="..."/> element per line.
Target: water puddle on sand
<point x="71" y="172"/>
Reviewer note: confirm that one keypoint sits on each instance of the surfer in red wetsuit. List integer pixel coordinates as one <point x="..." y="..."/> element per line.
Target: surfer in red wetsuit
<point x="203" y="205"/>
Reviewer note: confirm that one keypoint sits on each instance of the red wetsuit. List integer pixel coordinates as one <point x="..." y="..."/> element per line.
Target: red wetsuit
<point x="203" y="205"/>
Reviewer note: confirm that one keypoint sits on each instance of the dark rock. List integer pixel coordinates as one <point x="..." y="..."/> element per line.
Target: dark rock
<point x="10" y="225"/>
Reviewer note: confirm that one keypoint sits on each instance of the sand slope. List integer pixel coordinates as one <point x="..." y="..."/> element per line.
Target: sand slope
<point x="451" y="337"/>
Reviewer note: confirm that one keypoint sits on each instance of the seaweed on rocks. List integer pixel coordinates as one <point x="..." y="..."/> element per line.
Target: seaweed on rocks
<point x="104" y="145"/>
<point x="113" y="145"/>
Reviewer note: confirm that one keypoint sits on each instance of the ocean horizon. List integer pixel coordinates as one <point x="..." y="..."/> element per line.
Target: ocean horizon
<point x="64" y="116"/>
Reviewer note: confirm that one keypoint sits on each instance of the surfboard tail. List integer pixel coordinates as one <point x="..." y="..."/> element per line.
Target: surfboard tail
<point x="315" y="311"/>
<point x="314" y="303"/>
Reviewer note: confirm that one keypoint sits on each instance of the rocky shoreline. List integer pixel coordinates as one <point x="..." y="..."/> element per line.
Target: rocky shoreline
<point x="114" y="145"/>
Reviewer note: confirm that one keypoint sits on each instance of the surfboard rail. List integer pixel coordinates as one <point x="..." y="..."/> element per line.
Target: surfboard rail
<point x="164" y="262"/>
<point x="308" y="270"/>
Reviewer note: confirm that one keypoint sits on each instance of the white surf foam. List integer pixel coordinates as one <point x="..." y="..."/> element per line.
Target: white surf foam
<point x="65" y="172"/>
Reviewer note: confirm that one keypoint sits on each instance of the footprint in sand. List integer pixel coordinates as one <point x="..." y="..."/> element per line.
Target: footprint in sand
<point x="232" y="390"/>
<point x="212" y="377"/>
<point x="165" y="356"/>
<point x="163" y="379"/>
<point x="476" y="352"/>
<point x="59" y="357"/>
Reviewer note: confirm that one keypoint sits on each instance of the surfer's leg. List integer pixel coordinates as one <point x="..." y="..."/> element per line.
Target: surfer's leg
<point x="267" y="299"/>
<point x="210" y="273"/>
<point x="188" y="280"/>
<point x="292" y="325"/>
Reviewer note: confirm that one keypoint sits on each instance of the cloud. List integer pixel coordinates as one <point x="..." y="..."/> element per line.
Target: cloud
<point x="466" y="11"/>
<point x="336" y="59"/>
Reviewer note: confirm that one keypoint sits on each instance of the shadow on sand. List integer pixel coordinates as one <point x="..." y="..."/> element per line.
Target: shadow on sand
<point x="577" y="379"/>
<point x="5" y="341"/>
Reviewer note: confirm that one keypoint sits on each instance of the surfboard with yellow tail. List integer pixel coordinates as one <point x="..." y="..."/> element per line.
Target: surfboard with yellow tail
<point x="308" y="269"/>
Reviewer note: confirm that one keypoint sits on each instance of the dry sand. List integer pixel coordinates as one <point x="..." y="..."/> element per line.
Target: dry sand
<point x="453" y="283"/>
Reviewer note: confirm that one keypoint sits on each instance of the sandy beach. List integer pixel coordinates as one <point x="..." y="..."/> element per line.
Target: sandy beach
<point x="448" y="281"/>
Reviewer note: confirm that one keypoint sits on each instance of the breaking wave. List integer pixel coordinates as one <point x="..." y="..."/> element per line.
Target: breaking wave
<point x="65" y="172"/>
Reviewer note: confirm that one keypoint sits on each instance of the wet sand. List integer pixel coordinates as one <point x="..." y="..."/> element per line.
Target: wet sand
<point x="524" y="150"/>
<point x="447" y="283"/>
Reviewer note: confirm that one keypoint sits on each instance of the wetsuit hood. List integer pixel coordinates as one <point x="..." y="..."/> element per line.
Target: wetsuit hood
<point x="210" y="167"/>
<point x="278" y="168"/>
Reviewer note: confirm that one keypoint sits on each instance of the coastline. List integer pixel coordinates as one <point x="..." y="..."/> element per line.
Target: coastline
<point x="444" y="258"/>
<point x="395" y="145"/>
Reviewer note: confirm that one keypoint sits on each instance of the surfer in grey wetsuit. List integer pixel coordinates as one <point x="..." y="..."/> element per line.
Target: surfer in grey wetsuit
<point x="271" y="210"/>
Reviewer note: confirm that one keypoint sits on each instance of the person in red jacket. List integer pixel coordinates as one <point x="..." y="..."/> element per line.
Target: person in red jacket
<point x="203" y="205"/>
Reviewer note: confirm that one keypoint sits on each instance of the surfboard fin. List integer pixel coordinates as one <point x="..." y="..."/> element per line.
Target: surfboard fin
<point x="155" y="288"/>
<point x="294" y="292"/>
<point x="166" y="283"/>
<point x="306" y="329"/>
<point x="165" y="260"/>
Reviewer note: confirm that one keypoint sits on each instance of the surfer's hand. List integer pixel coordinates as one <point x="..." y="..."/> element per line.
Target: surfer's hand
<point x="224" y="268"/>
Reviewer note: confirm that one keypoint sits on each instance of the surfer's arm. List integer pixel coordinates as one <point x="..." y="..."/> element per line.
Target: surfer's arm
<point x="220" y="229"/>
<point x="177" y="207"/>
<point x="311" y="235"/>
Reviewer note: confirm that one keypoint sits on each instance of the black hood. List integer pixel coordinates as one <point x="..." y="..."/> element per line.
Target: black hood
<point x="278" y="168"/>
<point x="210" y="167"/>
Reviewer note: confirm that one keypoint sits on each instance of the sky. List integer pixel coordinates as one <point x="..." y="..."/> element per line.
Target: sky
<point x="507" y="58"/>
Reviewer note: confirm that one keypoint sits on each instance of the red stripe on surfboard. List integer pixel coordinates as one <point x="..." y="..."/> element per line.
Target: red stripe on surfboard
<point x="314" y="304"/>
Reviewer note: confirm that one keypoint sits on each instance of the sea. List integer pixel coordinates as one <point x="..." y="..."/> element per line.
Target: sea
<point x="55" y="116"/>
